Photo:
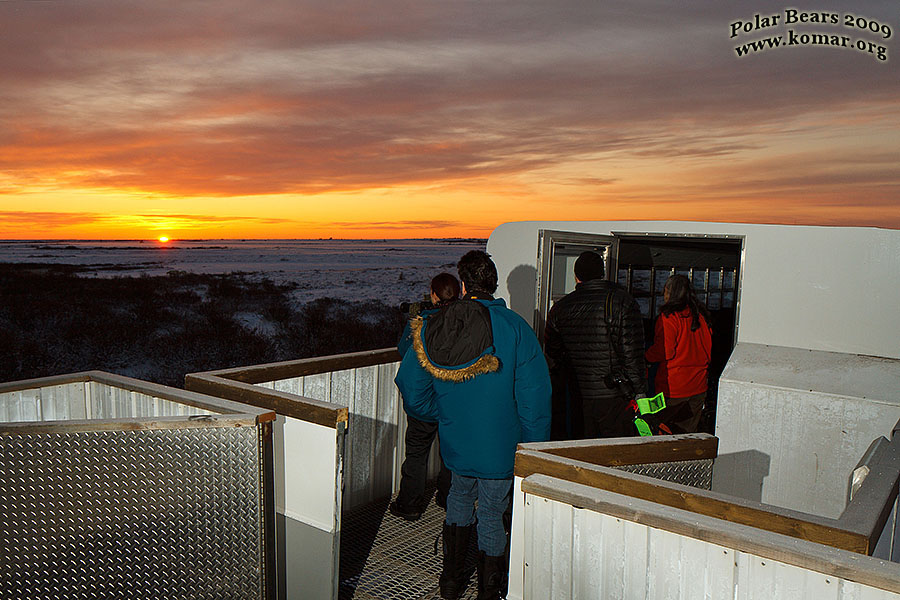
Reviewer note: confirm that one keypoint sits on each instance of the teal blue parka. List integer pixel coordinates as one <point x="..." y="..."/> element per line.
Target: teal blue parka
<point x="479" y="371"/>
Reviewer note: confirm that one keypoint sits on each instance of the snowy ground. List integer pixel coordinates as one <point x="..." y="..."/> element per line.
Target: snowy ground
<point x="392" y="271"/>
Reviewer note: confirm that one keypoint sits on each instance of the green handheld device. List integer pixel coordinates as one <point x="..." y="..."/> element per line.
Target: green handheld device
<point x="648" y="406"/>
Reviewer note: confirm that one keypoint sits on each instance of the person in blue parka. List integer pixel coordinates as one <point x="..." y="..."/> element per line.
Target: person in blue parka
<point x="478" y="370"/>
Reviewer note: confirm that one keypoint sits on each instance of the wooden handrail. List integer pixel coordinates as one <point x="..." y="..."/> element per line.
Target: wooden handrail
<point x="722" y="506"/>
<point x="306" y="366"/>
<point x="239" y="384"/>
<point x="614" y="452"/>
<point x="215" y="404"/>
<point x="283" y="403"/>
<point x="873" y="502"/>
<point x="587" y="462"/>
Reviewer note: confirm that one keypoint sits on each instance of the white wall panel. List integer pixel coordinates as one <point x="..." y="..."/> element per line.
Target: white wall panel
<point x="539" y="553"/>
<point x="764" y="578"/>
<point x="594" y="553"/>
<point x="518" y="540"/>
<point x="23" y="406"/>
<point x="851" y="590"/>
<point x="63" y="402"/>
<point x="664" y="574"/>
<point x="634" y="540"/>
<point x="603" y="556"/>
<point x="110" y="402"/>
<point x="306" y="472"/>
<point x="561" y="530"/>
<point x="715" y="564"/>
<point x="359" y="436"/>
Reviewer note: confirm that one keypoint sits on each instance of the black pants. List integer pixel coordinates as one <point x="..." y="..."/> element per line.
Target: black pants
<point x="414" y="472"/>
<point x="606" y="418"/>
<point x="682" y="415"/>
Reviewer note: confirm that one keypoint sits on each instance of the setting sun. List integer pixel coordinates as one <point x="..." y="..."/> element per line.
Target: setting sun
<point x="163" y="239"/>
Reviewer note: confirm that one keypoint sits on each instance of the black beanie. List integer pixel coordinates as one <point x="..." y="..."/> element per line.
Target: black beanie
<point x="588" y="266"/>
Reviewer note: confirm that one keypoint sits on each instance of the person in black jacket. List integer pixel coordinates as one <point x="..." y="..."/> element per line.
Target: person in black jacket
<point x="594" y="342"/>
<point x="411" y="500"/>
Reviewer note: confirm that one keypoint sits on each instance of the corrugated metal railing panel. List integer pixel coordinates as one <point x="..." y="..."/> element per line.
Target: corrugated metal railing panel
<point x="575" y="554"/>
<point x="359" y="484"/>
<point x="164" y="513"/>
<point x="50" y="403"/>
<point x="386" y="439"/>
<point x="374" y="444"/>
<point x="113" y="402"/>
<point x="86" y="400"/>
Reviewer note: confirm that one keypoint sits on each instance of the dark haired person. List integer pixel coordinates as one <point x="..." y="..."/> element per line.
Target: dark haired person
<point x="682" y="343"/>
<point x="477" y="369"/>
<point x="443" y="289"/>
<point x="411" y="501"/>
<point x="594" y="340"/>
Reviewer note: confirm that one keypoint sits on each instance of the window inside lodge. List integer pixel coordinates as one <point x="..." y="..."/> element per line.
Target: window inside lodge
<point x="644" y="264"/>
<point x="644" y="269"/>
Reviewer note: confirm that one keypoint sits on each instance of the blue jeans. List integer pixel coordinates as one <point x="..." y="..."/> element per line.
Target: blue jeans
<point x="493" y="496"/>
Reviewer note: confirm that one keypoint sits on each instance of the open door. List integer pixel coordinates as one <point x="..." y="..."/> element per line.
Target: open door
<point x="557" y="252"/>
<point x="641" y="263"/>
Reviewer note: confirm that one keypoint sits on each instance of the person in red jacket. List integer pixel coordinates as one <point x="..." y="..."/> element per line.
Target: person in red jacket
<point x="681" y="345"/>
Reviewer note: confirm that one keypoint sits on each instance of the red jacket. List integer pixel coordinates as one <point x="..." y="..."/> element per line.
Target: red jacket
<point x="682" y="354"/>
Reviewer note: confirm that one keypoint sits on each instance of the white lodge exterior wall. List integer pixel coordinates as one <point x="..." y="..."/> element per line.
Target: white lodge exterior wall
<point x="821" y="288"/>
<point x="793" y="424"/>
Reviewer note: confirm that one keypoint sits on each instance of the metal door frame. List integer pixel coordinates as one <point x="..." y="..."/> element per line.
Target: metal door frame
<point x="547" y="241"/>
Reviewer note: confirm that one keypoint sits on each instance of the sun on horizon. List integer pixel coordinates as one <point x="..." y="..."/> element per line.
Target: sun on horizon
<point x="163" y="239"/>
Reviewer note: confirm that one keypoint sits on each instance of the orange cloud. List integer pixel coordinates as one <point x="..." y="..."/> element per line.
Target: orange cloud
<point x="304" y="115"/>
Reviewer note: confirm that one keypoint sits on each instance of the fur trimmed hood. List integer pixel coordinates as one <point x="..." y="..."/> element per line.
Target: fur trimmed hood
<point x="476" y="369"/>
<point x="456" y="343"/>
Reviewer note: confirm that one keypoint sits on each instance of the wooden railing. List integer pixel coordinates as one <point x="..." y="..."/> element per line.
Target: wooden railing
<point x="592" y="462"/>
<point x="241" y="384"/>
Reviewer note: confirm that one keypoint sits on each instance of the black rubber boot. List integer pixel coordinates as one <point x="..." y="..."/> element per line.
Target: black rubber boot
<point x="491" y="576"/>
<point x="454" y="575"/>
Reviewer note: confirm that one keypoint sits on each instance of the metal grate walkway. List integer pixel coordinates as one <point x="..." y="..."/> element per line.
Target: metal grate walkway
<point x="384" y="557"/>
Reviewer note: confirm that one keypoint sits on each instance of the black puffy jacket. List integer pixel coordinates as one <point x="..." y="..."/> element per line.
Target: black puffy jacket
<point x="583" y="347"/>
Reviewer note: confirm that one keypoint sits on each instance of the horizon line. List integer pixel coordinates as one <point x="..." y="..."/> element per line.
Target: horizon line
<point x="238" y="239"/>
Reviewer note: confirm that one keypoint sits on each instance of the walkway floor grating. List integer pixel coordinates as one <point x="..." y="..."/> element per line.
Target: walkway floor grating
<point x="384" y="557"/>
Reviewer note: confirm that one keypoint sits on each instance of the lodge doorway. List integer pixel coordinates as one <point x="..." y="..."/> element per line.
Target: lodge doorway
<point x="641" y="263"/>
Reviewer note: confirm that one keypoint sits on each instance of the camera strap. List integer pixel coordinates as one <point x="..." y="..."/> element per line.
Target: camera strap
<point x="607" y="316"/>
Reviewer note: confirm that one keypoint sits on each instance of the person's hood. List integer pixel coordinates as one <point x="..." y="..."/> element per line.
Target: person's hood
<point x="456" y="343"/>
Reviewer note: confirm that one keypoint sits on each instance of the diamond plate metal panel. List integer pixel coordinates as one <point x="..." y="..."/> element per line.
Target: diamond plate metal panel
<point x="170" y="513"/>
<point x="695" y="473"/>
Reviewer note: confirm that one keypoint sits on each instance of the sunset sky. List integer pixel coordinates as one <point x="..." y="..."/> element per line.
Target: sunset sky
<point x="423" y="118"/>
